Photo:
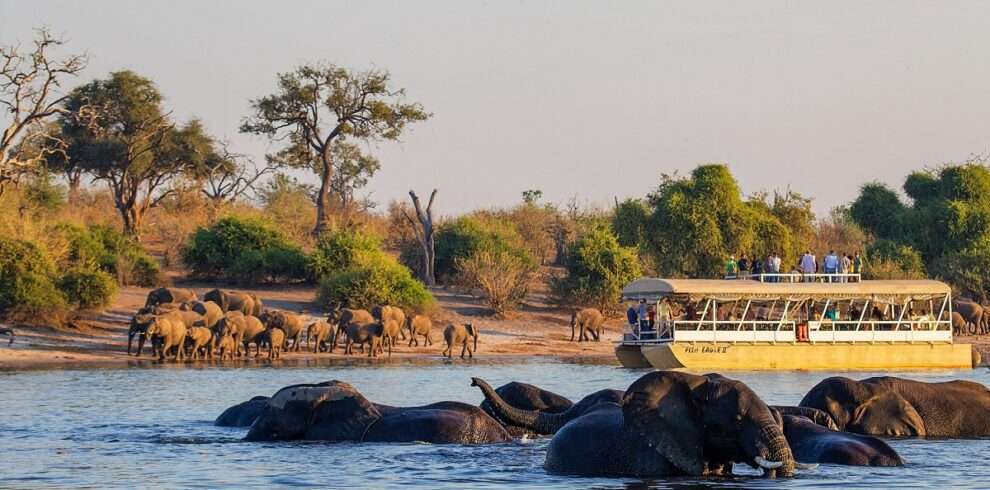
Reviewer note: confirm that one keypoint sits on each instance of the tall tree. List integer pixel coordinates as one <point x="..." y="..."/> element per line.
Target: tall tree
<point x="423" y="224"/>
<point x="317" y="105"/>
<point x="29" y="97"/>
<point x="119" y="134"/>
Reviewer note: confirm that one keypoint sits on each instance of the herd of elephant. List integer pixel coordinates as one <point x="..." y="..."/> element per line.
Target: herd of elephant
<point x="227" y="323"/>
<point x="968" y="315"/>
<point x="666" y="423"/>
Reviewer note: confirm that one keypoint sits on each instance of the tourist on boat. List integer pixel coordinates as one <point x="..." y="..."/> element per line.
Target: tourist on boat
<point x="831" y="264"/>
<point x="644" y="320"/>
<point x="776" y="266"/>
<point x="757" y="268"/>
<point x="632" y="317"/>
<point x="808" y="264"/>
<point x="651" y="315"/>
<point x="857" y="264"/>
<point x="664" y="317"/>
<point x="731" y="267"/>
<point x="846" y="266"/>
<point x="743" y="265"/>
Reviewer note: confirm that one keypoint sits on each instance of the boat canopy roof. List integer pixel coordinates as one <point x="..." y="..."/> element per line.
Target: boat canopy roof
<point x="729" y="290"/>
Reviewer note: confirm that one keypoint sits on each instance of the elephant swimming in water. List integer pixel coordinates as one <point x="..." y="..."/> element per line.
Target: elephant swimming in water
<point x="335" y="411"/>
<point x="814" y="443"/>
<point x="665" y="423"/>
<point x="898" y="407"/>
<point x="526" y="397"/>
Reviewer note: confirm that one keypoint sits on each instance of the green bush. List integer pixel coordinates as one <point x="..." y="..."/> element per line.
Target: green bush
<point x="897" y="260"/>
<point x="88" y="288"/>
<point x="244" y="250"/>
<point x="351" y="267"/>
<point x="99" y="247"/>
<point x="27" y="286"/>
<point x="340" y="249"/>
<point x="461" y="238"/>
<point x="597" y="270"/>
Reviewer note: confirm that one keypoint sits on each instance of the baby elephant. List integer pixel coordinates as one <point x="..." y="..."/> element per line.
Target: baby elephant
<point x="460" y="335"/>
<point x="274" y="338"/>
<point x="320" y="332"/>
<point x="200" y="338"/>
<point x="227" y="347"/>
<point x="366" y="333"/>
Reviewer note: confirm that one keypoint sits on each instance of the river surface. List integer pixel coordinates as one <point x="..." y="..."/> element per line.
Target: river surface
<point x="153" y="427"/>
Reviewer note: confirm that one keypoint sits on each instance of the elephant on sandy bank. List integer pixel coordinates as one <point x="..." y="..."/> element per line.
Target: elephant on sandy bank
<point x="419" y="325"/>
<point x="291" y="324"/>
<point x="342" y="317"/>
<point x="9" y="331"/>
<point x="898" y="407"/>
<point x="321" y="333"/>
<point x="460" y="335"/>
<point x="335" y="411"/>
<point x="249" y="304"/>
<point x="166" y="296"/>
<point x="667" y="423"/>
<point x="384" y="313"/>
<point x="585" y="322"/>
<point x="973" y="313"/>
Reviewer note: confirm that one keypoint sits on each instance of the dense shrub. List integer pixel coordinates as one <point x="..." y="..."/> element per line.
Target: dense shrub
<point x="338" y="250"/>
<point x="887" y="259"/>
<point x="372" y="280"/>
<point x="502" y="277"/>
<point x="87" y="288"/>
<point x="352" y="268"/>
<point x="597" y="270"/>
<point x="27" y="286"/>
<point x="282" y="263"/>
<point x="100" y="247"/>
<point x="244" y="250"/>
<point x="461" y="238"/>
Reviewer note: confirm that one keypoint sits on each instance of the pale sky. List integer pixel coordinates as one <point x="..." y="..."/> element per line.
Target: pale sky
<point x="593" y="99"/>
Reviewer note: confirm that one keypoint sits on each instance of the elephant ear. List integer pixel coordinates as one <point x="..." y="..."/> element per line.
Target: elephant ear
<point x="887" y="414"/>
<point x="660" y="408"/>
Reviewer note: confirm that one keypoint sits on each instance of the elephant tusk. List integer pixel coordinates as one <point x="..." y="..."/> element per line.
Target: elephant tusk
<point x="770" y="465"/>
<point x="805" y="466"/>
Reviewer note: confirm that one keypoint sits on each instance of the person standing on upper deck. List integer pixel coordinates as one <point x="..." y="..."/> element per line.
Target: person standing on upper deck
<point x="831" y="264"/>
<point x="743" y="265"/>
<point x="776" y="266"/>
<point x="808" y="264"/>
<point x="757" y="268"/>
<point x="845" y="266"/>
<point x="857" y="265"/>
<point x="731" y="268"/>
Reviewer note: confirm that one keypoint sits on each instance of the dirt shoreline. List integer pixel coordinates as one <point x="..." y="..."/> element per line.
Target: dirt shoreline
<point x="538" y="331"/>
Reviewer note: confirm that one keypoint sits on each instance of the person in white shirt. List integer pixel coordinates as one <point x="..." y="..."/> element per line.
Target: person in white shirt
<point x="808" y="264"/>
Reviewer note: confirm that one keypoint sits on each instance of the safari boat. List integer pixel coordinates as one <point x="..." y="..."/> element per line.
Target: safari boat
<point x="793" y="322"/>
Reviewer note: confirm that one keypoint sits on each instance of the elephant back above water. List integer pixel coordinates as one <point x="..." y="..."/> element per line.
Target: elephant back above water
<point x="815" y="444"/>
<point x="243" y="414"/>
<point x="169" y="296"/>
<point x="898" y="407"/>
<point x="335" y="411"/>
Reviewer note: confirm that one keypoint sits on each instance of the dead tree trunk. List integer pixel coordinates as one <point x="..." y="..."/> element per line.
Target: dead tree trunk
<point x="423" y="226"/>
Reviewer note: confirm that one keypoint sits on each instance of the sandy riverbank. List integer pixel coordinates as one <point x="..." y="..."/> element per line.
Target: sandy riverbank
<point x="99" y="340"/>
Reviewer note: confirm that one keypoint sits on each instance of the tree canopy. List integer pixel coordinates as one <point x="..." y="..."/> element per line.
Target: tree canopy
<point x="317" y="106"/>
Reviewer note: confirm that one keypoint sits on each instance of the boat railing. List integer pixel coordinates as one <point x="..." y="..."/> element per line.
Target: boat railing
<point x="871" y="331"/>
<point x="773" y="331"/>
<point x="796" y="277"/>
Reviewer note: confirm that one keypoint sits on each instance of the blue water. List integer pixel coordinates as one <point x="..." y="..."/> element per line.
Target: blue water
<point x="152" y="427"/>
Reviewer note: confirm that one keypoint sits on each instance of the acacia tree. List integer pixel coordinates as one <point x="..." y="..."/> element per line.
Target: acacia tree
<point x="318" y="105"/>
<point x="118" y="132"/>
<point x="29" y="96"/>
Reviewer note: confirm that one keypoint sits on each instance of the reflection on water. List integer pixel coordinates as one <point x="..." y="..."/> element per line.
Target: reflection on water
<point x="153" y="427"/>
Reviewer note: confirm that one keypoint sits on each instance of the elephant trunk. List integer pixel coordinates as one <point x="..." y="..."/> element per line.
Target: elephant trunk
<point x="475" y="341"/>
<point x="535" y="420"/>
<point x="773" y="453"/>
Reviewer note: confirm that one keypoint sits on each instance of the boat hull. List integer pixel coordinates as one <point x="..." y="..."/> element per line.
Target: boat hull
<point x="797" y="356"/>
